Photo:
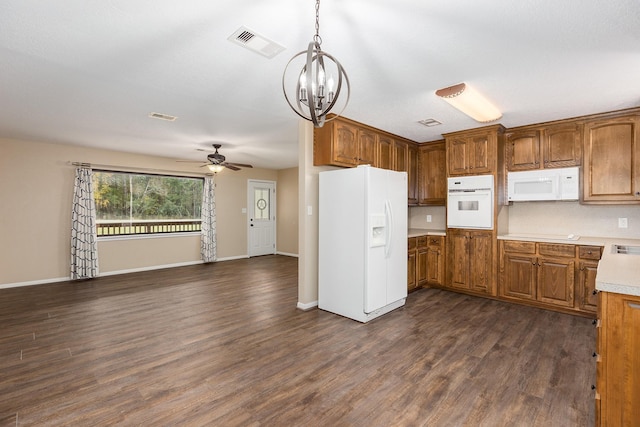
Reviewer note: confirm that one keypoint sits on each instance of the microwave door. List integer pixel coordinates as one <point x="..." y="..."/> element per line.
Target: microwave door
<point x="534" y="189"/>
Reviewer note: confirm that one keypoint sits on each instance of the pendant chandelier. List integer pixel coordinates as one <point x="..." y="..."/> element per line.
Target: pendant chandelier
<point x="318" y="84"/>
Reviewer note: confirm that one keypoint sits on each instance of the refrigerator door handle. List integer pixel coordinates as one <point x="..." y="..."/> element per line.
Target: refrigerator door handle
<point x="388" y="214"/>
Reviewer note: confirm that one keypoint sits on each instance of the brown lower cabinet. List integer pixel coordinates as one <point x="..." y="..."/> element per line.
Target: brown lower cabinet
<point x="470" y="260"/>
<point x="618" y="360"/>
<point x="412" y="283"/>
<point x="426" y="258"/>
<point x="549" y="275"/>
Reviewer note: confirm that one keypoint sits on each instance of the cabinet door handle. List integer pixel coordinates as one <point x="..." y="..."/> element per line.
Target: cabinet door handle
<point x="634" y="305"/>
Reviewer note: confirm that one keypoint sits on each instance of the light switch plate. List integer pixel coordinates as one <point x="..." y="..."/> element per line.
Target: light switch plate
<point x="622" y="223"/>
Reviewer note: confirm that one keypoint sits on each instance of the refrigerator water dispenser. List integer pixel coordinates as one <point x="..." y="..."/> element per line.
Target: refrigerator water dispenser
<point x="378" y="231"/>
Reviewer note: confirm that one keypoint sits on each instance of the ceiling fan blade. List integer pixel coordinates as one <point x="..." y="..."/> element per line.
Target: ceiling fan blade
<point x="230" y="166"/>
<point x="240" y="165"/>
<point x="189" y="161"/>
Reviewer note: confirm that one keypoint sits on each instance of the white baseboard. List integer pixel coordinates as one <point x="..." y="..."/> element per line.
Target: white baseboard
<point x="33" y="282"/>
<point x="306" y="306"/>
<point x="108" y="273"/>
<point x="287" y="254"/>
<point x="131" y="270"/>
<point x="231" y="258"/>
<point x="153" y="267"/>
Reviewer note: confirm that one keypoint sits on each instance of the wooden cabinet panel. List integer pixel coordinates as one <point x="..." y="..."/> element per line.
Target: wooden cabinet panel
<point x="588" y="299"/>
<point x="435" y="260"/>
<point x="473" y="152"/>
<point x="586" y="284"/>
<point x="457" y="155"/>
<point x="612" y="160"/>
<point x="400" y="156"/>
<point x="385" y="152"/>
<point x="480" y="257"/>
<point x="522" y="150"/>
<point x="458" y="263"/>
<point x="556" y="281"/>
<point x="412" y="172"/>
<point x="544" y="146"/>
<point x="432" y="174"/>
<point x="481" y="159"/>
<point x="422" y="267"/>
<point x="545" y="274"/>
<point x="412" y="282"/>
<point x="519" y="276"/>
<point x="470" y="260"/>
<point x="346" y="144"/>
<point x="556" y="250"/>
<point x="367" y="147"/>
<point x="618" y="377"/>
<point x="562" y="145"/>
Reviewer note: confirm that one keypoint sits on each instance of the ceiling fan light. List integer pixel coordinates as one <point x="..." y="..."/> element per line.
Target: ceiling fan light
<point x="215" y="168"/>
<point x="470" y="102"/>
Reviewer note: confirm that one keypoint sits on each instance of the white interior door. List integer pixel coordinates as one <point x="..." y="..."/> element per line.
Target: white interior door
<point x="261" y="216"/>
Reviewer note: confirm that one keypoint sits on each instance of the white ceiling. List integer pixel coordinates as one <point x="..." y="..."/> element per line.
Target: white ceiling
<point x="89" y="72"/>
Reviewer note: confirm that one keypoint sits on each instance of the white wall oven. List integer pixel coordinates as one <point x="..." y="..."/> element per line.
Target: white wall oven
<point x="470" y="202"/>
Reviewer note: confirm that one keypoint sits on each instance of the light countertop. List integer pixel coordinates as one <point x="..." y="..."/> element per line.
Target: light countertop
<point x="618" y="273"/>
<point x="415" y="232"/>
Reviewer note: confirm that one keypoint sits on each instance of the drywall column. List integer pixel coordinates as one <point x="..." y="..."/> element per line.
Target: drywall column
<point x="307" y="218"/>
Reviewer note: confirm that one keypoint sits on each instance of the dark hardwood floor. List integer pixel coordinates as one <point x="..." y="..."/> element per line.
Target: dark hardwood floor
<point x="223" y="344"/>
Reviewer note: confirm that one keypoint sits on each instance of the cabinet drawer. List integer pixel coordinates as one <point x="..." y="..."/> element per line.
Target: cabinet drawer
<point x="435" y="242"/>
<point x="590" y="252"/>
<point x="557" y="249"/>
<point x="520" y="247"/>
<point x="413" y="242"/>
<point x="422" y="241"/>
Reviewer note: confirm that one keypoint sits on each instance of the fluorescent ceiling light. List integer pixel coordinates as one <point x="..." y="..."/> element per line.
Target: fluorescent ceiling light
<point x="470" y="102"/>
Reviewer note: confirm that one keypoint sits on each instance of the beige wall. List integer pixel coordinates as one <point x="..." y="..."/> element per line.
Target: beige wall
<point x="287" y="211"/>
<point x="561" y="218"/>
<point x="308" y="217"/>
<point x="36" y="183"/>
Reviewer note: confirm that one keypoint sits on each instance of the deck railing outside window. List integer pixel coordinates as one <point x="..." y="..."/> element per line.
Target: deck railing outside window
<point x="125" y="228"/>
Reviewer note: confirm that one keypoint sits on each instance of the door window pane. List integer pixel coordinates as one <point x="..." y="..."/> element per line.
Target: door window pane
<point x="262" y="203"/>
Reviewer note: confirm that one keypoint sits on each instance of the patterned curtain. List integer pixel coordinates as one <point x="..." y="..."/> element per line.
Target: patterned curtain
<point x="84" y="242"/>
<point x="208" y="233"/>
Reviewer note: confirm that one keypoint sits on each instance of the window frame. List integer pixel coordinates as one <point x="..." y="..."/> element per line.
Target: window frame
<point x="196" y="223"/>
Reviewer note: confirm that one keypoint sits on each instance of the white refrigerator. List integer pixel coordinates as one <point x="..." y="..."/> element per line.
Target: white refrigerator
<point x="362" y="241"/>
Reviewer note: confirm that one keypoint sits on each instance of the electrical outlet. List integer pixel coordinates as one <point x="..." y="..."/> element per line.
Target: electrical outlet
<point x="428" y="218"/>
<point x="622" y="223"/>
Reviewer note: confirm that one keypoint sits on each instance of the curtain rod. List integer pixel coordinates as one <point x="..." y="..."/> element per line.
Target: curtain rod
<point x="134" y="169"/>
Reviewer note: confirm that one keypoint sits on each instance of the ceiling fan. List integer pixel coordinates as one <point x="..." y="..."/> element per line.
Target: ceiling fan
<point x="217" y="162"/>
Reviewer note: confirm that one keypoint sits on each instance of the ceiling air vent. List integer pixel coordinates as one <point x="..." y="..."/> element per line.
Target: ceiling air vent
<point x="429" y="122"/>
<point x="245" y="37"/>
<point x="160" y="116"/>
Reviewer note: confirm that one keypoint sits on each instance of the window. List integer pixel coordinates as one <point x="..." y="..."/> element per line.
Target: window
<point x="133" y="203"/>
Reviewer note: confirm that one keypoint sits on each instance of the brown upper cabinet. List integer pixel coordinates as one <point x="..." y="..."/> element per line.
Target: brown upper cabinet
<point x="343" y="143"/>
<point x="432" y="175"/>
<point x="473" y="152"/>
<point x="549" y="146"/>
<point x="611" y="172"/>
<point x="412" y="172"/>
<point x="385" y="152"/>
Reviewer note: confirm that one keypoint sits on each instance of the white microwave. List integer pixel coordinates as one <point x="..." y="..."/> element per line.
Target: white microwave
<point x="544" y="184"/>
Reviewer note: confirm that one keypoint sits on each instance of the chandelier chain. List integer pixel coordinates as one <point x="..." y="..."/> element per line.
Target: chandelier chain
<point x="317" y="37"/>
